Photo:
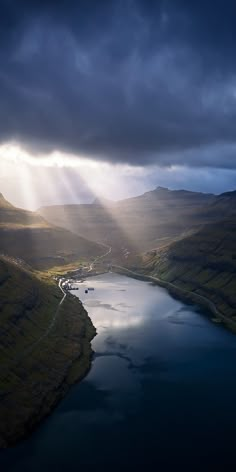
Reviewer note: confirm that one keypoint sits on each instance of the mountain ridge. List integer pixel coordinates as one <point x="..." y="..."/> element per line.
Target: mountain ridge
<point x="203" y="263"/>
<point x="139" y="223"/>
<point x="28" y="235"/>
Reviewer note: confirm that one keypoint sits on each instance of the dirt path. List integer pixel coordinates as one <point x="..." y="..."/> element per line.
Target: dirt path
<point x="98" y="258"/>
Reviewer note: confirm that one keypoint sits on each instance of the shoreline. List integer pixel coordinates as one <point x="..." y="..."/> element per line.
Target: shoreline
<point x="61" y="391"/>
<point x="181" y="294"/>
<point x="74" y="370"/>
<point x="80" y="366"/>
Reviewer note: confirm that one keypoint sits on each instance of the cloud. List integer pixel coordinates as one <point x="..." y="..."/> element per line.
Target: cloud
<point x="121" y="81"/>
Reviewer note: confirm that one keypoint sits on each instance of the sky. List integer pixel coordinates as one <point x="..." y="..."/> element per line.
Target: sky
<point x="115" y="97"/>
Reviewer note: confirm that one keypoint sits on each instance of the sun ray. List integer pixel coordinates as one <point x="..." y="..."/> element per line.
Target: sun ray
<point x="58" y="178"/>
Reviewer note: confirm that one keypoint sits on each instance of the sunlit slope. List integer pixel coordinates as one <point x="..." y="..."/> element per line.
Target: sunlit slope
<point x="204" y="262"/>
<point x="41" y="354"/>
<point x="141" y="222"/>
<point x="27" y="235"/>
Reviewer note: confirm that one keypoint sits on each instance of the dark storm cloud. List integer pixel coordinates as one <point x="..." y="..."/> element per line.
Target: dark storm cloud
<point x="125" y="81"/>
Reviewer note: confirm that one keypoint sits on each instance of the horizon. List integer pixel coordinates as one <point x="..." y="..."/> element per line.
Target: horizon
<point x="139" y="94"/>
<point x="31" y="181"/>
<point x="106" y="200"/>
<point x="117" y="234"/>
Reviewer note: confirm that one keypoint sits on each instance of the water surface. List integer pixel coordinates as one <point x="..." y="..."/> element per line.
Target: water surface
<point x="161" y="389"/>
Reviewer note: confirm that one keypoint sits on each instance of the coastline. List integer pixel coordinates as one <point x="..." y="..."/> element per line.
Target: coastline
<point x="23" y="410"/>
<point x="72" y="369"/>
<point x="181" y="294"/>
<point x="78" y="370"/>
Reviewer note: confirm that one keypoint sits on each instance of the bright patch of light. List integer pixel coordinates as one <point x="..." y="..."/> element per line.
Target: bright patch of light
<point x="16" y="154"/>
<point x="59" y="178"/>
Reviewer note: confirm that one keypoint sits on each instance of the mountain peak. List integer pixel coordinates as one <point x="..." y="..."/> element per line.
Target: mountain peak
<point x="162" y="189"/>
<point x="4" y="203"/>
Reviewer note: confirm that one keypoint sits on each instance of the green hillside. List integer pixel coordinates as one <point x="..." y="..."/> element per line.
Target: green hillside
<point x="27" y="235"/>
<point x="203" y="263"/>
<point x="44" y="348"/>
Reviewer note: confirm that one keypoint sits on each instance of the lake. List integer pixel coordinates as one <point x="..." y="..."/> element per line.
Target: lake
<point x="161" y="390"/>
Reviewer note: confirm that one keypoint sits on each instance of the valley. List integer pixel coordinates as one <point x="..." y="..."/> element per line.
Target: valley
<point x="182" y="238"/>
<point x="183" y="241"/>
<point x="41" y="245"/>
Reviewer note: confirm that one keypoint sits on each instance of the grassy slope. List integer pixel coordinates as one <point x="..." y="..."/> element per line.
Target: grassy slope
<point x="27" y="235"/>
<point x="37" y="369"/>
<point x="203" y="263"/>
<point x="35" y="375"/>
<point x="138" y="223"/>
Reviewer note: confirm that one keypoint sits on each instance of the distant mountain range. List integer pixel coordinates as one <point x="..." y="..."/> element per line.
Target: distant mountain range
<point x="144" y="222"/>
<point x="57" y="235"/>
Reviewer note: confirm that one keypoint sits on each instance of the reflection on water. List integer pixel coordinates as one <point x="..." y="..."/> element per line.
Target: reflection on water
<point x="125" y="314"/>
<point x="161" y="389"/>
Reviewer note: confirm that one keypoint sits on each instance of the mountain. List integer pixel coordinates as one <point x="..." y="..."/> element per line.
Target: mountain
<point x="44" y="348"/>
<point x="138" y="223"/>
<point x="4" y="203"/>
<point x="44" y="342"/>
<point x="224" y="206"/>
<point x="27" y="235"/>
<point x="189" y="245"/>
<point x="203" y="263"/>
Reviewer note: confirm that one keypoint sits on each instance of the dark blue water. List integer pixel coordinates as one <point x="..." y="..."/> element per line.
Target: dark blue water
<point x="161" y="391"/>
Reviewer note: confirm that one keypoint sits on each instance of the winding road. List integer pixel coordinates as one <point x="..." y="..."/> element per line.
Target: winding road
<point x="98" y="258"/>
